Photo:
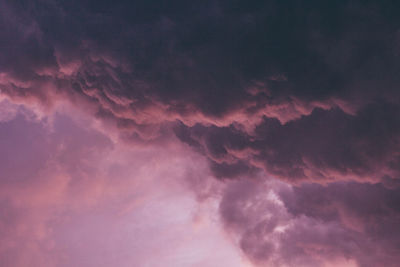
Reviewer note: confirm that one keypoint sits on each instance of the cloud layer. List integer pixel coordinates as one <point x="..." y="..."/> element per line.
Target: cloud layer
<point x="294" y="107"/>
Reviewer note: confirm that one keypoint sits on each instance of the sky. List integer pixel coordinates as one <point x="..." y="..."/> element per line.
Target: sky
<point x="205" y="133"/>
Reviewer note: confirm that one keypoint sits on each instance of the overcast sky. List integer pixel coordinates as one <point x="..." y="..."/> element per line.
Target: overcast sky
<point x="199" y="133"/>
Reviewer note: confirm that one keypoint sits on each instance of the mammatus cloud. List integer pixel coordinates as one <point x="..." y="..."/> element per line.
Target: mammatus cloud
<point x="294" y="106"/>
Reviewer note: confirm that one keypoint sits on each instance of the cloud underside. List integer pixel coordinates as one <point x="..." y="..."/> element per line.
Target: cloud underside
<point x="297" y="100"/>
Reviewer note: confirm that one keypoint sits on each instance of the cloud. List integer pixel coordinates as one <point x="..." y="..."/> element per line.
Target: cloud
<point x="221" y="69"/>
<point x="326" y="146"/>
<point x="217" y="66"/>
<point x="70" y="195"/>
<point x="306" y="93"/>
<point x="313" y="225"/>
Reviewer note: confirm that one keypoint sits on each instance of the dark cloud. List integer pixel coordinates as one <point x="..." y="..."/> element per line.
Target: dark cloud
<point x="215" y="57"/>
<point x="306" y="91"/>
<point x="312" y="225"/>
<point x="326" y="146"/>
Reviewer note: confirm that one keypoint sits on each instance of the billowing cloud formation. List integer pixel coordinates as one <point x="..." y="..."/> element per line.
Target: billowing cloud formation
<point x="301" y="91"/>
<point x="342" y="224"/>
<point x="327" y="145"/>
<point x="69" y="196"/>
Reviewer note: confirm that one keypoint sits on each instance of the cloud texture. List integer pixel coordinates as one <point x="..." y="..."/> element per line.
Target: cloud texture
<point x="293" y="107"/>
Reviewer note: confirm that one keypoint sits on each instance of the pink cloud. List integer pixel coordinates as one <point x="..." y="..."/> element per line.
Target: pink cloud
<point x="84" y="199"/>
<point x="115" y="118"/>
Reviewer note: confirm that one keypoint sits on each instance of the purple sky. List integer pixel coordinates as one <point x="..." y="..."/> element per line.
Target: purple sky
<point x="199" y="133"/>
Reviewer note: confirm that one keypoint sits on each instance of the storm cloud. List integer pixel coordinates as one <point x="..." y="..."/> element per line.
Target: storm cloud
<point x="294" y="105"/>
